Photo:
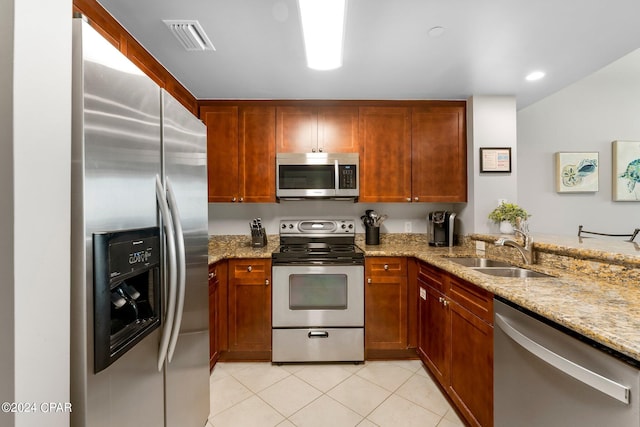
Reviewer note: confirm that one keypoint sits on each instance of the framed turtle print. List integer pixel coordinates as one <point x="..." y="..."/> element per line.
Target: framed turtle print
<point x="626" y="171"/>
<point x="576" y="172"/>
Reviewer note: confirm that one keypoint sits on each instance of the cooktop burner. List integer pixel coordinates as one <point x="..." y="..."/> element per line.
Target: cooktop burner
<point x="317" y="242"/>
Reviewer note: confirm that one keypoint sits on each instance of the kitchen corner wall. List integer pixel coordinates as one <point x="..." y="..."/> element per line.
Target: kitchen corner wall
<point x="586" y="117"/>
<point x="233" y="218"/>
<point x="491" y="122"/>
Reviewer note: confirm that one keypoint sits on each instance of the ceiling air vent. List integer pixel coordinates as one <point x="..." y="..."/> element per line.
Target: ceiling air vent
<point x="190" y="34"/>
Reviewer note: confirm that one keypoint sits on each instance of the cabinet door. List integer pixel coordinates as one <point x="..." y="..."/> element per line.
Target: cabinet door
<point x="471" y="379"/>
<point x="222" y="152"/>
<point x="438" y="154"/>
<point x="249" y="305"/>
<point x="257" y="169"/>
<point x="338" y="129"/>
<point x="217" y="310"/>
<point x="296" y="130"/>
<point x="434" y="332"/>
<point x="385" y="154"/>
<point x="386" y="304"/>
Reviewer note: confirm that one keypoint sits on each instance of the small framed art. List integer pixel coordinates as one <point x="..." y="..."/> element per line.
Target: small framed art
<point x="495" y="159"/>
<point x="626" y="171"/>
<point x="576" y="172"/>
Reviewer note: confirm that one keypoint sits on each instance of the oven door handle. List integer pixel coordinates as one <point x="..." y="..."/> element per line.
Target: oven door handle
<point x="318" y="334"/>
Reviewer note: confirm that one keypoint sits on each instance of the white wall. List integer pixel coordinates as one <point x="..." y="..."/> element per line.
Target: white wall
<point x="233" y="218"/>
<point x="491" y="122"/>
<point x="40" y="143"/>
<point x="586" y="116"/>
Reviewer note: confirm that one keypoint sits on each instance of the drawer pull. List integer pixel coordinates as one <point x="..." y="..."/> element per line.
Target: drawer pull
<point x="249" y="269"/>
<point x="266" y="282"/>
<point x="386" y="267"/>
<point x="212" y="275"/>
<point x="318" y="334"/>
<point x="369" y="280"/>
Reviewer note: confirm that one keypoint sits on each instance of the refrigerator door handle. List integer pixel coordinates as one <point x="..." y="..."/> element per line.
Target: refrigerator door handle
<point x="182" y="268"/>
<point x="580" y="373"/>
<point x="173" y="273"/>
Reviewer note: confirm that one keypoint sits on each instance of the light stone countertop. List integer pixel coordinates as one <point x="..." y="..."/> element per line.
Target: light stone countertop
<point x="605" y="310"/>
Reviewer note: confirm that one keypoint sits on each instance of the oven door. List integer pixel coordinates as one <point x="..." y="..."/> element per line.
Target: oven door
<point x="318" y="296"/>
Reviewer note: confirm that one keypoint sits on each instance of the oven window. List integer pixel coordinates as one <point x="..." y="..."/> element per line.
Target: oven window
<point x="307" y="177"/>
<point x="318" y="291"/>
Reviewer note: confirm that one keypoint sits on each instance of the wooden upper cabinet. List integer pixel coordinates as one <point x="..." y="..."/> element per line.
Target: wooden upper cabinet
<point x="257" y="154"/>
<point x="438" y="154"/>
<point x="328" y="129"/>
<point x="222" y="152"/>
<point x="385" y="154"/>
<point x="240" y="153"/>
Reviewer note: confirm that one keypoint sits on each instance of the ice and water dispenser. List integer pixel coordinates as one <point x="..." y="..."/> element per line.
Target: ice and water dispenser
<point x="126" y="291"/>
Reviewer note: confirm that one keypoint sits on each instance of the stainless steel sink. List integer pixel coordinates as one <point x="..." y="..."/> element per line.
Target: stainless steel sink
<point x="515" y="272"/>
<point x="479" y="262"/>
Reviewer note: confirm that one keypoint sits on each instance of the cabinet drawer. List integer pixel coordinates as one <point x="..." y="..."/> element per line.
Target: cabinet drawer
<point x="250" y="269"/>
<point x="386" y="266"/>
<point x="432" y="276"/>
<point x="475" y="299"/>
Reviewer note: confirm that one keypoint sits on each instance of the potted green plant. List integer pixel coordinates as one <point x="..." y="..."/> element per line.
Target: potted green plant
<point x="507" y="215"/>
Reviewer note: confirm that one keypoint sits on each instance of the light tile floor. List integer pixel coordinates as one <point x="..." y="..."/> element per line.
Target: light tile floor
<point x="389" y="393"/>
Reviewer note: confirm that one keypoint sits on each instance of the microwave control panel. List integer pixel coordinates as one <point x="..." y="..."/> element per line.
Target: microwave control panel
<point x="348" y="177"/>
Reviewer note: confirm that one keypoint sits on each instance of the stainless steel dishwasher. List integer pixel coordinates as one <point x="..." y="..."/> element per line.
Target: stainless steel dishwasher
<point x="544" y="376"/>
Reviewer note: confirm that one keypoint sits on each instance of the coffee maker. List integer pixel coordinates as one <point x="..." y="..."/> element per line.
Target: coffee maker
<point x="441" y="228"/>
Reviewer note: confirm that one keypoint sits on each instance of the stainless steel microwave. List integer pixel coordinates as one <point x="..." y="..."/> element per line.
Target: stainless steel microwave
<point x="317" y="176"/>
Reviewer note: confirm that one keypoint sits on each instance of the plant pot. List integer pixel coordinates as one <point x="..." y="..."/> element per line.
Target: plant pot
<point x="506" y="227"/>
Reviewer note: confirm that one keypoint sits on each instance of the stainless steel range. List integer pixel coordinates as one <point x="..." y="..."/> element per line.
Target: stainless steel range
<point x="318" y="293"/>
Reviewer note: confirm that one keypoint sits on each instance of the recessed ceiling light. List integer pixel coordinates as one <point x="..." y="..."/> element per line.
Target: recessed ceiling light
<point x="536" y="75"/>
<point x="436" y="31"/>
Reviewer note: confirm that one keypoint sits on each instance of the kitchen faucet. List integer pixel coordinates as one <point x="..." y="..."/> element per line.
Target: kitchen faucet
<point x="526" y="249"/>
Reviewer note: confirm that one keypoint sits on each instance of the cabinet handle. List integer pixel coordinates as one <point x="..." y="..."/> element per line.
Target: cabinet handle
<point x="369" y="280"/>
<point x="266" y="282"/>
<point x="386" y="267"/>
<point x="249" y="269"/>
<point x="320" y="149"/>
<point x="241" y="199"/>
<point x="233" y="200"/>
<point x="212" y="275"/>
<point x="440" y="299"/>
<point x="313" y="150"/>
<point x="415" y="199"/>
<point x="408" y="199"/>
<point x="445" y="303"/>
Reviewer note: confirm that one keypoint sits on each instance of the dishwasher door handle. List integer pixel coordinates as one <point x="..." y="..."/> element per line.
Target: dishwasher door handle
<point x="580" y="373"/>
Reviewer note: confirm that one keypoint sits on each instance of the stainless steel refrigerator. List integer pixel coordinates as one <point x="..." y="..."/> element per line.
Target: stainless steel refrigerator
<point x="139" y="295"/>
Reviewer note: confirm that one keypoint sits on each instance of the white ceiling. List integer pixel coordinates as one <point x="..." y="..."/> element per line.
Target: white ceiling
<point x="487" y="48"/>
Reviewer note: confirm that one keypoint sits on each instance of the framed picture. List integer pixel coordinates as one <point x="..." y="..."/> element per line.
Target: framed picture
<point x="626" y="171"/>
<point x="495" y="159"/>
<point x="576" y="172"/>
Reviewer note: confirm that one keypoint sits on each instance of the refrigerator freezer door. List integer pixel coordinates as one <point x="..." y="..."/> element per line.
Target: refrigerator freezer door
<point x="115" y="159"/>
<point x="185" y="168"/>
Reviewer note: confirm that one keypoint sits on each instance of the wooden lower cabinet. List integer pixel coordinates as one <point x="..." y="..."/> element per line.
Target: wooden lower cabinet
<point x="386" y="304"/>
<point x="217" y="310"/>
<point x="455" y="341"/>
<point x="249" y="309"/>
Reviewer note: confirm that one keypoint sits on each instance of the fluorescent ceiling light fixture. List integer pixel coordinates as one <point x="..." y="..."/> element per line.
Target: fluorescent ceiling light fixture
<point x="323" y="31"/>
<point x="190" y="34"/>
<point x="536" y="75"/>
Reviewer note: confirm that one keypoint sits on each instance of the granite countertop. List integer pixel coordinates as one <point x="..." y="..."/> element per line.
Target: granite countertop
<point x="607" y="311"/>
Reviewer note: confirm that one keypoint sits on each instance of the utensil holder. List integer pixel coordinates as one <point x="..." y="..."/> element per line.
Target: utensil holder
<point x="372" y="235"/>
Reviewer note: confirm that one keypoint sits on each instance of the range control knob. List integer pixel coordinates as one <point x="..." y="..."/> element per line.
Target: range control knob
<point x="344" y="226"/>
<point x="284" y="226"/>
<point x="350" y="226"/>
<point x="290" y="225"/>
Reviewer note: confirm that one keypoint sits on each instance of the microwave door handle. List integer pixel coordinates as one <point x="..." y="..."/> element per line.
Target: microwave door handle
<point x="181" y="264"/>
<point x="337" y="177"/>
<point x="173" y="274"/>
